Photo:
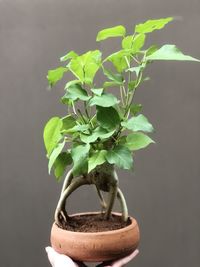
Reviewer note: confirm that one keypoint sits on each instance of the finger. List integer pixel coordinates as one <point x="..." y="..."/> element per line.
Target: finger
<point x="59" y="260"/>
<point x="125" y="260"/>
<point x="120" y="262"/>
<point x="51" y="255"/>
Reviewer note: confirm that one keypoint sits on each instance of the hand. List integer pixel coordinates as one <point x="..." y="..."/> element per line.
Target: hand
<point x="60" y="260"/>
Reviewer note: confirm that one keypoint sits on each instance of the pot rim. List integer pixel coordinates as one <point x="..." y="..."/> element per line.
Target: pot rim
<point x="111" y="232"/>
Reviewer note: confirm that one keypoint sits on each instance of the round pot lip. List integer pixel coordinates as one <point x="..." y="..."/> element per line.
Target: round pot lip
<point x="111" y="232"/>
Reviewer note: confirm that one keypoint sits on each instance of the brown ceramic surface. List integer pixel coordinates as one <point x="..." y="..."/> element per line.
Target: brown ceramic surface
<point x="95" y="247"/>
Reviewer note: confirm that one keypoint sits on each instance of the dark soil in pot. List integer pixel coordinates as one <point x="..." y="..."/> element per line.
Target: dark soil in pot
<point x="90" y="223"/>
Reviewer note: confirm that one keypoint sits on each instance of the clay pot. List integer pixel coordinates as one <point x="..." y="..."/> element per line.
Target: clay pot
<point x="96" y="247"/>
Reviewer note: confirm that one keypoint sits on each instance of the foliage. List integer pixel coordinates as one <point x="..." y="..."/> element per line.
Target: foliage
<point x="100" y="128"/>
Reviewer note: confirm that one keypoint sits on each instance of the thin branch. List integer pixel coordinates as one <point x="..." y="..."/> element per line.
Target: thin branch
<point x="124" y="91"/>
<point x="137" y="61"/>
<point x="102" y="201"/>
<point x="80" y="113"/>
<point x="73" y="107"/>
<point x="127" y="61"/>
<point x="112" y="197"/>
<point x="123" y="204"/>
<point x="86" y="111"/>
<point x="112" y="194"/>
<point x="67" y="181"/>
<point x="61" y="203"/>
<point x="121" y="94"/>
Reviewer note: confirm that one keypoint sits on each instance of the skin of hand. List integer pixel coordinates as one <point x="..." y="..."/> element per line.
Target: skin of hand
<point x="59" y="260"/>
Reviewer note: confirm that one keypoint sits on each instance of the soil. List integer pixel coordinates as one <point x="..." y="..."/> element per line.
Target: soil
<point x="94" y="223"/>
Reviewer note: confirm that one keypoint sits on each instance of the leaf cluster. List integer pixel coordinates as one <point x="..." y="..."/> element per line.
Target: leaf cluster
<point x="99" y="127"/>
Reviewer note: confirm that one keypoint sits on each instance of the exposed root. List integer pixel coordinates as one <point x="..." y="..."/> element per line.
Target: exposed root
<point x="123" y="204"/>
<point x="104" y="178"/>
<point x="67" y="192"/>
<point x="63" y="216"/>
<point x="102" y="201"/>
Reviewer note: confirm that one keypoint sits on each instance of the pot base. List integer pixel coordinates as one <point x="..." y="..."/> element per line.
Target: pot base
<point x="96" y="246"/>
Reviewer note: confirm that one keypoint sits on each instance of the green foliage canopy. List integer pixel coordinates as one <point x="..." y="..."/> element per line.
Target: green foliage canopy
<point x="99" y="127"/>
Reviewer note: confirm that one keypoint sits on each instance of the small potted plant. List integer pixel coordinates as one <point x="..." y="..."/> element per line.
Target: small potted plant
<point x="101" y="132"/>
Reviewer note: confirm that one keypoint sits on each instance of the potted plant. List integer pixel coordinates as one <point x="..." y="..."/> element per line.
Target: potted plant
<point x="101" y="132"/>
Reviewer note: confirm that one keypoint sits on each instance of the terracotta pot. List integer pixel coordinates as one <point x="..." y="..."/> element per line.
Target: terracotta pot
<point x="96" y="247"/>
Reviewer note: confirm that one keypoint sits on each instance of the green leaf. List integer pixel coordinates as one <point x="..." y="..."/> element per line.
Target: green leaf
<point x="103" y="133"/>
<point x="68" y="123"/>
<point x="152" y="25"/>
<point x="135" y="43"/>
<point x="79" y="128"/>
<point x="118" y="59"/>
<point x="84" y="67"/>
<point x="152" y="49"/>
<point x="55" y="75"/>
<point x="136" y="141"/>
<point x="127" y="42"/>
<point x="69" y="55"/>
<point x="70" y="83"/>
<point x="88" y="138"/>
<point x="55" y="154"/>
<point x="92" y="65"/>
<point x="170" y="52"/>
<point x="116" y="31"/>
<point x="132" y="85"/>
<point x="122" y="140"/>
<point x="137" y="69"/>
<point x="138" y="123"/>
<point x="97" y="133"/>
<point x="77" y="68"/>
<point x="75" y="92"/>
<point x="115" y="77"/>
<point x="79" y="155"/>
<point x="97" y="91"/>
<point x="108" y="118"/>
<point x="96" y="159"/>
<point x="135" y="109"/>
<point x="52" y="134"/>
<point x="121" y="157"/>
<point x="62" y="161"/>
<point x="66" y="101"/>
<point x="110" y="84"/>
<point x="105" y="100"/>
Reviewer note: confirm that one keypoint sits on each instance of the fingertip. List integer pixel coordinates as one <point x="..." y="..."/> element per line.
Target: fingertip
<point x="48" y="249"/>
<point x="125" y="260"/>
<point x="136" y="252"/>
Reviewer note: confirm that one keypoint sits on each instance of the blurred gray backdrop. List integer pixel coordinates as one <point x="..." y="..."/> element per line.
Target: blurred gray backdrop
<point x="164" y="191"/>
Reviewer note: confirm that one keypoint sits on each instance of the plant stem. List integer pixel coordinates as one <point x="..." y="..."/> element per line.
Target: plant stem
<point x="124" y="91"/>
<point x="67" y="181"/>
<point x="121" y="94"/>
<point x="74" y="109"/>
<point x="80" y="113"/>
<point x="137" y="61"/>
<point x="86" y="111"/>
<point x="130" y="99"/>
<point x="61" y="203"/>
<point x="102" y="201"/>
<point x="112" y="197"/>
<point x="112" y="194"/>
<point x="122" y="201"/>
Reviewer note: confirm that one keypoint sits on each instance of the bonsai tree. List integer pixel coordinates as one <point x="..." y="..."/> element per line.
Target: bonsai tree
<point x="102" y="131"/>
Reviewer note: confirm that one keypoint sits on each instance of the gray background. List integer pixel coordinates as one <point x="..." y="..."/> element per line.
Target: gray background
<point x="163" y="193"/>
